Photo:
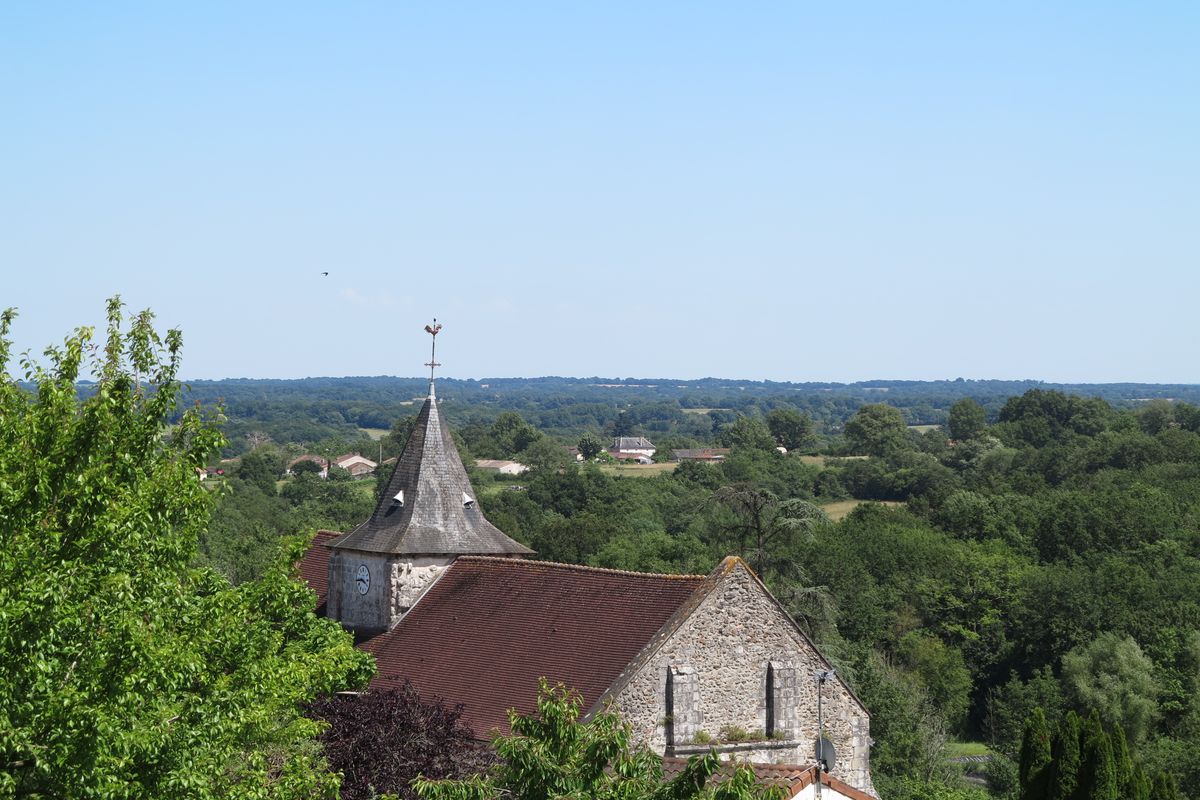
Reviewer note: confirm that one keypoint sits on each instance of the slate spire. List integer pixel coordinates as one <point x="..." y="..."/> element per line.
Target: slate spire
<point x="429" y="507"/>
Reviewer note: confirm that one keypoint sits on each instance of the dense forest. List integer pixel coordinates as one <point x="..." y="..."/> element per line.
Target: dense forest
<point x="964" y="562"/>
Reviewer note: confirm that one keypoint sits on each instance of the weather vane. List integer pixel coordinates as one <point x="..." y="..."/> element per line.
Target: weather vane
<point x="432" y="329"/>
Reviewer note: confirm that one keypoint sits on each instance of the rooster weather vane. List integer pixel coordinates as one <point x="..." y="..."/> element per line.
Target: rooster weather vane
<point x="432" y="329"/>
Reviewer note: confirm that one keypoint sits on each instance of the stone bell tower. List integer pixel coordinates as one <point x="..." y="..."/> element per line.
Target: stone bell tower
<point x="426" y="518"/>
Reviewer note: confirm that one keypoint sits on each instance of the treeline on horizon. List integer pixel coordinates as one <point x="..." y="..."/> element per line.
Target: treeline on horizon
<point x="312" y="410"/>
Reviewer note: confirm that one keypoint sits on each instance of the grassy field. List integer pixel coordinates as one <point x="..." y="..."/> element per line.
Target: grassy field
<point x="375" y="433"/>
<point x="960" y="749"/>
<point x="923" y="428"/>
<point x="638" y="470"/>
<point x="702" y="410"/>
<point x="839" y="509"/>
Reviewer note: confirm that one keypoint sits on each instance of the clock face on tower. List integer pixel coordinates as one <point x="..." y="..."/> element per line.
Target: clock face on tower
<point x="363" y="579"/>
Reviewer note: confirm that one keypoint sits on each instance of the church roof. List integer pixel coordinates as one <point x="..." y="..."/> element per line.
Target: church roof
<point x="429" y="506"/>
<point x="491" y="627"/>
<point x="314" y="567"/>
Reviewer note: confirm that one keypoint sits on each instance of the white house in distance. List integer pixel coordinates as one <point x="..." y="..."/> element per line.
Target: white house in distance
<point x="638" y="448"/>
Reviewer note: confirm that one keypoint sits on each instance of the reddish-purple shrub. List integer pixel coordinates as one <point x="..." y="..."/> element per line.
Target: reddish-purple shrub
<point x="380" y="740"/>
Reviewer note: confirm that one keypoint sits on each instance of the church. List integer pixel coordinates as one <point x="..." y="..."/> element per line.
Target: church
<point x="444" y="599"/>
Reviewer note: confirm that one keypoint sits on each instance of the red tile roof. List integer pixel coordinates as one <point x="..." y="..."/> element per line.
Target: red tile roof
<point x="314" y="567"/>
<point x="792" y="778"/>
<point x="491" y="627"/>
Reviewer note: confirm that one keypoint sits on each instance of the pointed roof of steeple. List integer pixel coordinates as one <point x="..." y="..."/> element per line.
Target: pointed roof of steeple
<point x="429" y="507"/>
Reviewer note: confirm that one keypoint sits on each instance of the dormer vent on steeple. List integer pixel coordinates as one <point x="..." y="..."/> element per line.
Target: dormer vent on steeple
<point x="468" y="501"/>
<point x="399" y="498"/>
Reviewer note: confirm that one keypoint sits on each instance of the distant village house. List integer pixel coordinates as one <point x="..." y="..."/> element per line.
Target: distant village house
<point x="632" y="448"/>
<point x="357" y="465"/>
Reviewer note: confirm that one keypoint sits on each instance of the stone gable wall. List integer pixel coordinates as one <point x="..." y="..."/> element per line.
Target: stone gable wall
<point x="722" y="651"/>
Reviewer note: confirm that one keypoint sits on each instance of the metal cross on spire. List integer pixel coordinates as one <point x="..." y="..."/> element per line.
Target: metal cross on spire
<point x="432" y="329"/>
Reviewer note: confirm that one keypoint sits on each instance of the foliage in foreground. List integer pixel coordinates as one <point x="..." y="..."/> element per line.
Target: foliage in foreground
<point x="124" y="671"/>
<point x="379" y="741"/>
<point x="552" y="754"/>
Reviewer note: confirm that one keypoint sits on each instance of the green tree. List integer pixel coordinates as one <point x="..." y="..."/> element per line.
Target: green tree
<point x="1113" y="674"/>
<point x="261" y="468"/>
<point x="546" y="454"/>
<point x="790" y="428"/>
<point x="305" y="467"/>
<point x="748" y="433"/>
<point x="943" y="672"/>
<point x="1064" y="775"/>
<point x="1164" y="788"/>
<point x="1033" y="765"/>
<point x="124" y="670"/>
<point x="877" y="429"/>
<point x="1098" y="772"/>
<point x="967" y="420"/>
<point x="590" y="446"/>
<point x="763" y="527"/>
<point x="513" y="434"/>
<point x="551" y="754"/>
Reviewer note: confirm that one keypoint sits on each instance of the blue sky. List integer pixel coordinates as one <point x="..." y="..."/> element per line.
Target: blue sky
<point x="794" y="191"/>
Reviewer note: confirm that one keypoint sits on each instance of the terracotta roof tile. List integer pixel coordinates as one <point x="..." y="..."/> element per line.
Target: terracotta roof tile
<point x="793" y="778"/>
<point x="491" y="627"/>
<point x="314" y="567"/>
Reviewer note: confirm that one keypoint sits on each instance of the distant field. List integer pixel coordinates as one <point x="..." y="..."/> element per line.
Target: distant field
<point x="840" y="509"/>
<point x="821" y="461"/>
<point x="375" y="433"/>
<point x="923" y="428"/>
<point x="702" y="410"/>
<point x="638" y="470"/>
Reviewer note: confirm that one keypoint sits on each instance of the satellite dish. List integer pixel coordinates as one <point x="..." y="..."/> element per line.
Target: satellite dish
<point x="826" y="755"/>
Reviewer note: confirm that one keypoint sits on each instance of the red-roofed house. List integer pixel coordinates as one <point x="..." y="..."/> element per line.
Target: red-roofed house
<point x="444" y="599"/>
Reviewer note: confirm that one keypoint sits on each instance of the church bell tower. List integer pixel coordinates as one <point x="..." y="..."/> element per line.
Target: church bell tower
<point x="427" y="517"/>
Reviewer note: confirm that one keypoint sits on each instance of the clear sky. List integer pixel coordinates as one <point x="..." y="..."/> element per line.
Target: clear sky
<point x="794" y="191"/>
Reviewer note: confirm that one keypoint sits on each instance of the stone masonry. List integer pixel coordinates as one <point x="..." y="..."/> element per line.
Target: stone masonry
<point x="716" y="664"/>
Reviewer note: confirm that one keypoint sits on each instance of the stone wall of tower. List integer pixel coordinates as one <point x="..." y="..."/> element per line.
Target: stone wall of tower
<point x="411" y="577"/>
<point x="394" y="585"/>
<point x="365" y="611"/>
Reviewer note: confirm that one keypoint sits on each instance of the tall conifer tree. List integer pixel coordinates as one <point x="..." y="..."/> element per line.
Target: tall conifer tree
<point x="1064" y="774"/>
<point x="1164" y="788"/>
<point x="1098" y="773"/>
<point x="1123" y="763"/>
<point x="1035" y="757"/>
